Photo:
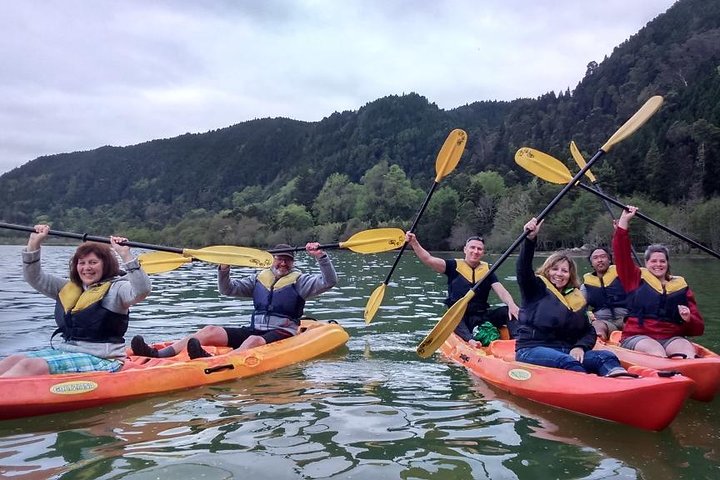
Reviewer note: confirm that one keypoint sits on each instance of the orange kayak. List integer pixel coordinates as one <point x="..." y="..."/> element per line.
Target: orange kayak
<point x="141" y="376"/>
<point x="704" y="370"/>
<point x="649" y="402"/>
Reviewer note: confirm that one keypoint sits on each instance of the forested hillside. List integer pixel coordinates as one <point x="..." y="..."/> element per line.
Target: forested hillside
<point x="271" y="180"/>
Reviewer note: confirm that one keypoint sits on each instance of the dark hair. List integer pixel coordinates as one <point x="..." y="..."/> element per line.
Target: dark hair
<point x="111" y="267"/>
<point x="474" y="237"/>
<point x="604" y="249"/>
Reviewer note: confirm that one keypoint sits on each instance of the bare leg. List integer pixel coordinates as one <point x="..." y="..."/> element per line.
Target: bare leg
<point x="210" y="335"/>
<point x="681" y="345"/>
<point x="650" y="346"/>
<point x="251" y="342"/>
<point x="28" y="366"/>
<point x="601" y="329"/>
<point x="9" y="362"/>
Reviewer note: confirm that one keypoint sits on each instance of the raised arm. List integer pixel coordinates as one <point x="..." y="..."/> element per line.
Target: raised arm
<point x="628" y="272"/>
<point x="531" y="287"/>
<point x="437" y="264"/>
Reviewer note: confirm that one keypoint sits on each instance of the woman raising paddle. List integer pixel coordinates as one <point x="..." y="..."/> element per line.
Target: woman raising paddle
<point x="662" y="308"/>
<point x="554" y="330"/>
<point x="91" y="309"/>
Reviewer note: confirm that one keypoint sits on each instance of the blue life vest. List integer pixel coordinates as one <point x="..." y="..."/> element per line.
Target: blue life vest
<point x="606" y="292"/>
<point x="277" y="302"/>
<point x="79" y="315"/>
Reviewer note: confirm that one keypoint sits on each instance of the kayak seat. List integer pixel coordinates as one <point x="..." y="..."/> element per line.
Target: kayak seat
<point x="504" y="349"/>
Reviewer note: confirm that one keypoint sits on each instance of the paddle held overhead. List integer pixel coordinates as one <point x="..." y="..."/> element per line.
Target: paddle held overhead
<point x="447" y="160"/>
<point x="452" y="317"/>
<point x="553" y="170"/>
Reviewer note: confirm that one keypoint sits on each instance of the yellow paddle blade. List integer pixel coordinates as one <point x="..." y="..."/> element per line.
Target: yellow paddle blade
<point x="580" y="160"/>
<point x="159" y="262"/>
<point x="232" y="255"/>
<point x="375" y="241"/>
<point x="635" y="122"/>
<point x="450" y="153"/>
<point x="543" y="165"/>
<point x="445" y="326"/>
<point x="374" y="303"/>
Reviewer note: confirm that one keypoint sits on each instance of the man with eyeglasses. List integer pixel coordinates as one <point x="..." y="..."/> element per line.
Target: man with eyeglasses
<point x="605" y="295"/>
<point x="462" y="275"/>
<point x="279" y="294"/>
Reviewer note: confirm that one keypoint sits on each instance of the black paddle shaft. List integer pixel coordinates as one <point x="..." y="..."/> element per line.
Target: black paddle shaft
<point x="597" y="188"/>
<point x="651" y="221"/>
<point x="540" y="216"/>
<point x="412" y="229"/>
<point x="91" y="238"/>
<point x="325" y="246"/>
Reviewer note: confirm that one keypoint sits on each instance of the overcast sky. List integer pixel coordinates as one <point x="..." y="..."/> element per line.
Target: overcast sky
<point x="77" y="75"/>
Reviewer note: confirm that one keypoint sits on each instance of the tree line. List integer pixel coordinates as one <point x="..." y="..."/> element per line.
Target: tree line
<point x="282" y="179"/>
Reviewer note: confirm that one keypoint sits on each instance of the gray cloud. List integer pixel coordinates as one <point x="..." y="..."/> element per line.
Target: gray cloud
<point x="81" y="74"/>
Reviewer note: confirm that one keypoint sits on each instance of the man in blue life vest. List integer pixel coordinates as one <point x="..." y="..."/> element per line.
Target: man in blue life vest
<point x="279" y="294"/>
<point x="462" y="274"/>
<point x="605" y="296"/>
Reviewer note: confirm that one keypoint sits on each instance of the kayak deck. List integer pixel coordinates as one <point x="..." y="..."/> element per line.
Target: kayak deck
<point x="703" y="370"/>
<point x="141" y="376"/>
<point x="649" y="402"/>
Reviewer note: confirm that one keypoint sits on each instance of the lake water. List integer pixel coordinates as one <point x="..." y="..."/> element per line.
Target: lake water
<point x="370" y="410"/>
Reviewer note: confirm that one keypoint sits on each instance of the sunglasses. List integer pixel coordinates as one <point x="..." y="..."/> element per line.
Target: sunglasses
<point x="470" y="239"/>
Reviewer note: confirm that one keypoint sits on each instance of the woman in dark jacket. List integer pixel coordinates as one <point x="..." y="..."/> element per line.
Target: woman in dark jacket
<point x="554" y="330"/>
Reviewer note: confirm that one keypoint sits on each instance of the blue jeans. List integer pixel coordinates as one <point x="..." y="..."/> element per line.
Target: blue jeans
<point x="594" y="361"/>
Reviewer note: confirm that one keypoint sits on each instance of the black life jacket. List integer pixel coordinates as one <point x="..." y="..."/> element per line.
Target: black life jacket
<point x="461" y="280"/>
<point x="555" y="320"/>
<point x="79" y="315"/>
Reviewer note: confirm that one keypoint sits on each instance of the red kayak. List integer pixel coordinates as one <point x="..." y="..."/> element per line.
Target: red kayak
<point x="141" y="376"/>
<point x="704" y="370"/>
<point x="650" y="402"/>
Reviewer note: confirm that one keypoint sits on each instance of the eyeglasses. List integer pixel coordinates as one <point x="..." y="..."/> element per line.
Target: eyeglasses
<point x="470" y="239"/>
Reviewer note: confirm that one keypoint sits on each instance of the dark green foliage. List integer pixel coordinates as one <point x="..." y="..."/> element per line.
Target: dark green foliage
<point x="270" y="180"/>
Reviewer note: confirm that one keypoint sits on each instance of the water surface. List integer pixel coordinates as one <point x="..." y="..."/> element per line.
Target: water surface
<point x="370" y="410"/>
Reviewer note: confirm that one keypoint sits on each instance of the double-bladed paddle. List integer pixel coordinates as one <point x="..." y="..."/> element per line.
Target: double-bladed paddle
<point x="455" y="313"/>
<point x="375" y="240"/>
<point x="446" y="161"/>
<point x="368" y="241"/>
<point x="553" y="170"/>
<point x="169" y="258"/>
<point x="580" y="161"/>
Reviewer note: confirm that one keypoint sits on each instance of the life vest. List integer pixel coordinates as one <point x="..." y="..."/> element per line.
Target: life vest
<point x="652" y="300"/>
<point x="605" y="292"/>
<point x="461" y="280"/>
<point x="555" y="320"/>
<point x="79" y="315"/>
<point x="276" y="301"/>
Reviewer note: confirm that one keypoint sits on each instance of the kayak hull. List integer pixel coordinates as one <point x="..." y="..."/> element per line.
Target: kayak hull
<point x="704" y="370"/>
<point x="650" y="402"/>
<point x="142" y="376"/>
